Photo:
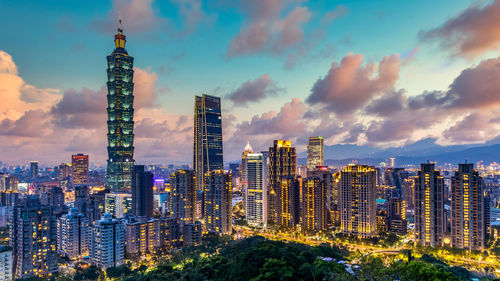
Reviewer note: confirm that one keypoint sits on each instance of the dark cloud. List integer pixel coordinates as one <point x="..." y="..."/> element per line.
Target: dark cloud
<point x="348" y="86"/>
<point x="34" y="123"/>
<point x="254" y="90"/>
<point x="474" y="31"/>
<point x="388" y="104"/>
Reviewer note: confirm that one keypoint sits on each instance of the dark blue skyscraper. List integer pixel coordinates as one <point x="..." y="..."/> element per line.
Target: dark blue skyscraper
<point x="207" y="137"/>
<point x="120" y="117"/>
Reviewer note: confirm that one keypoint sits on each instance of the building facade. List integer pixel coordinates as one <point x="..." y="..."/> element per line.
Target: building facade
<point x="314" y="205"/>
<point x="118" y="204"/>
<point x="5" y="263"/>
<point x="120" y="117"/>
<point x="207" y="149"/>
<point x="183" y="195"/>
<point x="315" y="154"/>
<point x="80" y="165"/>
<point x="282" y="165"/>
<point x="254" y="193"/>
<point x="73" y="235"/>
<point x="107" y="242"/>
<point x="142" y="192"/>
<point x="429" y="206"/>
<point x="218" y="202"/>
<point x="357" y="200"/>
<point x="467" y="210"/>
<point x="33" y="238"/>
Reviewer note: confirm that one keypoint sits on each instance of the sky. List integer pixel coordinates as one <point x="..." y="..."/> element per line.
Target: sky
<point x="380" y="73"/>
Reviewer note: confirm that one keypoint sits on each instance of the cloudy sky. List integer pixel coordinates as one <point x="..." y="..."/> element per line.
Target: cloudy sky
<point x="383" y="73"/>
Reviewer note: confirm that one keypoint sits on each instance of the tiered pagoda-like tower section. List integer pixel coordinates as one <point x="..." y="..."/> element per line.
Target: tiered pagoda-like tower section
<point x="120" y="117"/>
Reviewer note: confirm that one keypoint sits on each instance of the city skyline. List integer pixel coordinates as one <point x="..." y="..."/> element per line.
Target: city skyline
<point x="288" y="85"/>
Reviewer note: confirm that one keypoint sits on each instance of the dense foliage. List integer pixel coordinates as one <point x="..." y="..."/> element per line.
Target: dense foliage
<point x="257" y="258"/>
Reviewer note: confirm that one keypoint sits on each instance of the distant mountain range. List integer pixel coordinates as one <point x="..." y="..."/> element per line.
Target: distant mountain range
<point x="418" y="152"/>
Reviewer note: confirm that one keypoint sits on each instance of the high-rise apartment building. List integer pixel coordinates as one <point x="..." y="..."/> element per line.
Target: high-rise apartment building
<point x="315" y="154"/>
<point x="255" y="190"/>
<point x="467" y="210"/>
<point x="5" y="263"/>
<point x="282" y="165"/>
<point x="107" y="242"/>
<point x="118" y="204"/>
<point x="33" y="238"/>
<point x="397" y="215"/>
<point x="120" y="117"/>
<point x="192" y="233"/>
<point x="142" y="192"/>
<point x="207" y="137"/>
<point x="243" y="167"/>
<point x="429" y="206"/>
<point x="34" y="169"/>
<point x="183" y="195"/>
<point x="314" y="204"/>
<point x="80" y="165"/>
<point x="288" y="202"/>
<point x="218" y="201"/>
<point x="73" y="235"/>
<point x="357" y="200"/>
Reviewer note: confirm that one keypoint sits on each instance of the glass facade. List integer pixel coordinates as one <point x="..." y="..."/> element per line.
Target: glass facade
<point x="120" y="117"/>
<point x="207" y="137"/>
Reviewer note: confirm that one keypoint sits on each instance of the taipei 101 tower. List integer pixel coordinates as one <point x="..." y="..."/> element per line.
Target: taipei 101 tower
<point x="120" y="117"/>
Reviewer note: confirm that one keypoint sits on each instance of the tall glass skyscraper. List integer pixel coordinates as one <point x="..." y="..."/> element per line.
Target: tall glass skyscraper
<point x="207" y="137"/>
<point x="120" y="117"/>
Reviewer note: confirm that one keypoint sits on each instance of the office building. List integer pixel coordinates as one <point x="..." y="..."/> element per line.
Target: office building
<point x="118" y="204"/>
<point x="282" y="165"/>
<point x="5" y="263"/>
<point x="314" y="204"/>
<point x="467" y="208"/>
<point x="254" y="192"/>
<point x="33" y="238"/>
<point x="243" y="168"/>
<point x="142" y="192"/>
<point x="183" y="195"/>
<point x="73" y="235"/>
<point x="107" y="242"/>
<point x="357" y="200"/>
<point x="120" y="117"/>
<point x="429" y="206"/>
<point x="315" y="152"/>
<point x="80" y="166"/>
<point x="34" y="169"/>
<point x="218" y="202"/>
<point x="207" y="137"/>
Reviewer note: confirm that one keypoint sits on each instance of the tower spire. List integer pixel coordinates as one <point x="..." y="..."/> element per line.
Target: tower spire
<point x="119" y="37"/>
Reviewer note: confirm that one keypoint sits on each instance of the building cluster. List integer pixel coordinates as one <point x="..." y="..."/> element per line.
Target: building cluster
<point x="132" y="213"/>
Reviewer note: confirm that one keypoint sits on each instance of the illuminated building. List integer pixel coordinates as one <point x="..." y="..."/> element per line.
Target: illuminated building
<point x="5" y="263"/>
<point x="282" y="164"/>
<point x="324" y="173"/>
<point x="142" y="192"/>
<point x="192" y="233"/>
<point x="487" y="215"/>
<point x="288" y="213"/>
<point x="80" y="164"/>
<point x="409" y="195"/>
<point x="395" y="177"/>
<point x="314" y="204"/>
<point x="141" y="238"/>
<point x="315" y="152"/>
<point x="120" y="117"/>
<point x="107" y="242"/>
<point x="357" y="200"/>
<point x="34" y="169"/>
<point x="382" y="222"/>
<point x="467" y="208"/>
<point x="64" y="174"/>
<point x="33" y="238"/>
<point x="85" y="205"/>
<point x="397" y="216"/>
<point x="429" y="206"/>
<point x="218" y="202"/>
<point x="118" y="204"/>
<point x="243" y="169"/>
<point x="161" y="201"/>
<point x="73" y="235"/>
<point x="183" y="195"/>
<point x="254" y="192"/>
<point x="207" y="137"/>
